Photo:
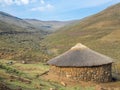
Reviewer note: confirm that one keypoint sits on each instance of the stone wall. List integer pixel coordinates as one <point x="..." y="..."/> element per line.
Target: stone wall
<point x="95" y="74"/>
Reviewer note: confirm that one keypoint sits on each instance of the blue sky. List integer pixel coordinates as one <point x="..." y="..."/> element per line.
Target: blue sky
<point x="54" y="9"/>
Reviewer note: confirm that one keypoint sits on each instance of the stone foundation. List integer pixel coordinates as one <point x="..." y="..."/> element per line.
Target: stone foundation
<point x="94" y="74"/>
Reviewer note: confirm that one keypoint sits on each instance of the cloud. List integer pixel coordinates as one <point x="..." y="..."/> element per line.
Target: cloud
<point x="42" y="1"/>
<point x="16" y="2"/>
<point x="44" y="6"/>
<point x="20" y="2"/>
<point x="47" y="7"/>
<point x="8" y="2"/>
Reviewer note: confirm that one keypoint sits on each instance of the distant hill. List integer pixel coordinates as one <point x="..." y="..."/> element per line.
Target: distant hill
<point x="15" y="21"/>
<point x="100" y="32"/>
<point x="49" y="26"/>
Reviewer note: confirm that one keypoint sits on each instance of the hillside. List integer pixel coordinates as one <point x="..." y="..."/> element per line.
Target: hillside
<point x="6" y="27"/>
<point x="100" y="32"/>
<point x="19" y="39"/>
<point x="12" y="20"/>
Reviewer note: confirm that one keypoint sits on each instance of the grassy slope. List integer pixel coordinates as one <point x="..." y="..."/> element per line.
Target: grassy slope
<point x="101" y="32"/>
<point x="21" y="47"/>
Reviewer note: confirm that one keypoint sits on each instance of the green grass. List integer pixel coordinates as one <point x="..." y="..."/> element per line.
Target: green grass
<point x="17" y="84"/>
<point x="9" y="69"/>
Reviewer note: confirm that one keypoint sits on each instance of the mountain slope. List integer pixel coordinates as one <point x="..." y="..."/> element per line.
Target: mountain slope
<point x="5" y="27"/>
<point x="18" y="39"/>
<point x="100" y="32"/>
<point x="17" y="22"/>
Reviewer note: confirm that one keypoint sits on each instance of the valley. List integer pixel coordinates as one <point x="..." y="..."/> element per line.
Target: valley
<point x="27" y="44"/>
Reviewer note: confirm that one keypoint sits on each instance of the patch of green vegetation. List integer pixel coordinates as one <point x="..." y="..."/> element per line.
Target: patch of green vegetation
<point x="9" y="69"/>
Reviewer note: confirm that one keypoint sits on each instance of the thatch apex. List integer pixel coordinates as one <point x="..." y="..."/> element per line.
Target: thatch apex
<point x="80" y="56"/>
<point x="79" y="46"/>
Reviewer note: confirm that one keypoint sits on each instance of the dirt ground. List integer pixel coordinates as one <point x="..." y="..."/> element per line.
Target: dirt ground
<point x="68" y="82"/>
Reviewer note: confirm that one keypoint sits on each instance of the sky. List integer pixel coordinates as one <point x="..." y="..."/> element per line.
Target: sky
<point x="61" y="10"/>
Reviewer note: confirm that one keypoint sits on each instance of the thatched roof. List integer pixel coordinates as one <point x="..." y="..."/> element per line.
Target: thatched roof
<point x="79" y="56"/>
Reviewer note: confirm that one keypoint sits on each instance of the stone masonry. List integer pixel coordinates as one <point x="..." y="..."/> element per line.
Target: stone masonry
<point x="95" y="74"/>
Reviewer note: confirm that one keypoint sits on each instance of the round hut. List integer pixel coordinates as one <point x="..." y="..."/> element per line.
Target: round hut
<point x="82" y="64"/>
